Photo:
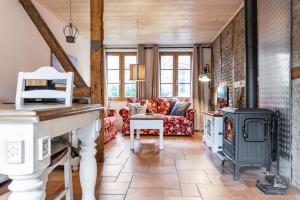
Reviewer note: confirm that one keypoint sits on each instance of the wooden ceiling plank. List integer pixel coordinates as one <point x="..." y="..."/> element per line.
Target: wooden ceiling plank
<point x="204" y="17"/>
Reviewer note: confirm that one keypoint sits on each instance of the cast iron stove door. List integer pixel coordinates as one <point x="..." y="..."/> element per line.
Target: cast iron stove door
<point x="254" y="143"/>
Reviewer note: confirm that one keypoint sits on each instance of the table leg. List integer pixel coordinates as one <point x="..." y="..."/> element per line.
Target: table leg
<point x="161" y="139"/>
<point x="131" y="137"/>
<point x="27" y="187"/>
<point x="88" y="164"/>
<point x="75" y="160"/>
<point x="138" y="133"/>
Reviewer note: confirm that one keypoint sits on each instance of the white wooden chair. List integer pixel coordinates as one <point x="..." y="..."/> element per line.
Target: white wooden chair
<point x="44" y="73"/>
<point x="64" y="156"/>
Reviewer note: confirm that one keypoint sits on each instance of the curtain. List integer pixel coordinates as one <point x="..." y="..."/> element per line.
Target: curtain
<point x="141" y="59"/>
<point x="153" y="83"/>
<point x="106" y="104"/>
<point x="197" y="87"/>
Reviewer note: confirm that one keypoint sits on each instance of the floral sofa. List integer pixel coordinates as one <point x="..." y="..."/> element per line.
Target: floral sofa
<point x="110" y="129"/>
<point x="173" y="125"/>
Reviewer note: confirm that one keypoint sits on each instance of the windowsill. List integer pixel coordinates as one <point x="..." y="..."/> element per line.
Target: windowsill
<point x="119" y="99"/>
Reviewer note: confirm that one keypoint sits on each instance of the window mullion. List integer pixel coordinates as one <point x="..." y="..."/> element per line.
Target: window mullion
<point x="175" y="74"/>
<point x="121" y="76"/>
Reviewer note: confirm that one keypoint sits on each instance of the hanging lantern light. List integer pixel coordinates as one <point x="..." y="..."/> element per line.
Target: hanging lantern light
<point x="204" y="76"/>
<point x="137" y="71"/>
<point x="71" y="31"/>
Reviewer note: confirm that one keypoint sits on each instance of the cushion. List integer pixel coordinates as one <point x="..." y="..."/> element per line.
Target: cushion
<point x="153" y="105"/>
<point x="136" y="108"/>
<point x="180" y="108"/>
<point x="171" y="107"/>
<point x="164" y="106"/>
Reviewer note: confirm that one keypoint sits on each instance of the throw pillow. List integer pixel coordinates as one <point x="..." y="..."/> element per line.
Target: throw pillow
<point x="164" y="105"/>
<point x="136" y="108"/>
<point x="180" y="109"/>
<point x="152" y="105"/>
<point x="171" y="107"/>
<point x="141" y="109"/>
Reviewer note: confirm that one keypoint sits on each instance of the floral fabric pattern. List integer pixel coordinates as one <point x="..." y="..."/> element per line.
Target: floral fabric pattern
<point x="164" y="106"/>
<point x="111" y="112"/>
<point x="135" y="100"/>
<point x="173" y="125"/>
<point x="153" y="105"/>
<point x="110" y="125"/>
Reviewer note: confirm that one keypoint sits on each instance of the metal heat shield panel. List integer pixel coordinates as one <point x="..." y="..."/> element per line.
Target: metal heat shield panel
<point x="274" y="24"/>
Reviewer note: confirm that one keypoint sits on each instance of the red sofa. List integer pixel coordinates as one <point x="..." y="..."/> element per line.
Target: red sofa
<point x="110" y="129"/>
<point x="173" y="125"/>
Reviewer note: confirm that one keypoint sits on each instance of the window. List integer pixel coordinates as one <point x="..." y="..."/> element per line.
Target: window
<point x="118" y="84"/>
<point x="175" y="74"/>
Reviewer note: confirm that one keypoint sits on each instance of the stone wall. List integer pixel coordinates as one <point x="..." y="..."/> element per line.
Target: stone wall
<point x="228" y="62"/>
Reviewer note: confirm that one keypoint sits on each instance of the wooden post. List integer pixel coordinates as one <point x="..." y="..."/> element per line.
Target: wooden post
<point x="97" y="66"/>
<point x="295" y="73"/>
<point x="52" y="42"/>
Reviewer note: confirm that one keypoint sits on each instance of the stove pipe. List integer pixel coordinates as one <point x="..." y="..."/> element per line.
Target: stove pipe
<point x="251" y="52"/>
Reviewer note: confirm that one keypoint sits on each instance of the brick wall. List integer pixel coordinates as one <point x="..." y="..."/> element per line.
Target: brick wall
<point x="228" y="61"/>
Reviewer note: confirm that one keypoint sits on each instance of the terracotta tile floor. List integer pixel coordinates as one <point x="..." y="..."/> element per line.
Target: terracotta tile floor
<point x="185" y="170"/>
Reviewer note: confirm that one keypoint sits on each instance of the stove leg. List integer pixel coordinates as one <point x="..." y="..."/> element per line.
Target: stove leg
<point x="223" y="163"/>
<point x="236" y="172"/>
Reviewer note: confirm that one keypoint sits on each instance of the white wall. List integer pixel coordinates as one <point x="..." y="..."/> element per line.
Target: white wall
<point x="23" y="49"/>
<point x="80" y="49"/>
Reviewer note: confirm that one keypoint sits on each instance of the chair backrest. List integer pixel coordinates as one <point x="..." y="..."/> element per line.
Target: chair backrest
<point x="44" y="73"/>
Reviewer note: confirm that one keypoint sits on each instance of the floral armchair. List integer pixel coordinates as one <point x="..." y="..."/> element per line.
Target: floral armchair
<point x="173" y="125"/>
<point x="110" y="130"/>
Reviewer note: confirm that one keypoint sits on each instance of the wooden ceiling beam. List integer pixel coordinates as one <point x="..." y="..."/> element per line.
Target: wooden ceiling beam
<point x="78" y="91"/>
<point x="97" y="66"/>
<point x="52" y="42"/>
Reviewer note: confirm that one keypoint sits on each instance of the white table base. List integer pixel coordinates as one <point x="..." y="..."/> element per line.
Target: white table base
<point x="28" y="172"/>
<point x="137" y="124"/>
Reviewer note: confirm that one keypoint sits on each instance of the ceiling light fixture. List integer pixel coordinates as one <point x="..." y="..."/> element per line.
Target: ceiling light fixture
<point x="71" y="31"/>
<point x="204" y="76"/>
<point x="137" y="71"/>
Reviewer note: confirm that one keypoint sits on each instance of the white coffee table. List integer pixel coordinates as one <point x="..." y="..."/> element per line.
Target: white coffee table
<point x="142" y="121"/>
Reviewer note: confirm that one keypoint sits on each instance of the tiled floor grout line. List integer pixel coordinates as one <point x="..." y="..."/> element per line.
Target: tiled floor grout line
<point x="178" y="176"/>
<point x="130" y="180"/>
<point x="197" y="185"/>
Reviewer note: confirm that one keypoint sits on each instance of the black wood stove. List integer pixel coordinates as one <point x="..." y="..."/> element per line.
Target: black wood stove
<point x="247" y="137"/>
<point x="247" y="132"/>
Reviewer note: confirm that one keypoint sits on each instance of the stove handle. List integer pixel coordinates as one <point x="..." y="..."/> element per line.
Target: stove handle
<point x="245" y="134"/>
<point x="266" y="130"/>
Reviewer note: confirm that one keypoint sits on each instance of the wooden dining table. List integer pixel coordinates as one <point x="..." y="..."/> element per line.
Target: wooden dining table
<point x="25" y="145"/>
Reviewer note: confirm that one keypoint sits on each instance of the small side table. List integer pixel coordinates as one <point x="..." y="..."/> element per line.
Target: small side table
<point x="142" y="121"/>
<point x="213" y="130"/>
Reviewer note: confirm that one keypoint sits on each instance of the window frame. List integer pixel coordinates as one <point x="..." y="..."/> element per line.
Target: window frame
<point x="122" y="56"/>
<point x="175" y="72"/>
